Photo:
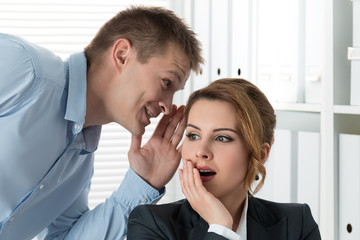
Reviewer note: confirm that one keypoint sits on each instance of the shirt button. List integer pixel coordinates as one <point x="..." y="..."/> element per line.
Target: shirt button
<point x="11" y="219"/>
<point x="143" y="200"/>
<point x="41" y="186"/>
<point x="77" y="126"/>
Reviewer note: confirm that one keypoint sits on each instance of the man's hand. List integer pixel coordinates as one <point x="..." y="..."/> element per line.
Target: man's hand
<point x="202" y="201"/>
<point x="157" y="161"/>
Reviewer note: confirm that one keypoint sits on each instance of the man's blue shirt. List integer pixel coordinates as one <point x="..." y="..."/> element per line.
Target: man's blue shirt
<point x="46" y="157"/>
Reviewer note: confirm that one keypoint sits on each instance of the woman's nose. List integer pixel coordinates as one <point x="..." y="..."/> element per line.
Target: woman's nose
<point x="204" y="153"/>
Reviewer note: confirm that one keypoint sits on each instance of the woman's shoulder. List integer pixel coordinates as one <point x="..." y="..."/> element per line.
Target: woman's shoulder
<point x="278" y="207"/>
<point x="289" y="217"/>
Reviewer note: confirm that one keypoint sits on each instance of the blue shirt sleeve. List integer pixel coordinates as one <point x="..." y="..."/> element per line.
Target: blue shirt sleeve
<point x="16" y="75"/>
<point x="109" y="219"/>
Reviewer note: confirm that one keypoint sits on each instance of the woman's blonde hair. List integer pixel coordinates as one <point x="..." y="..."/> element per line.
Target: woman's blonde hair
<point x="256" y="118"/>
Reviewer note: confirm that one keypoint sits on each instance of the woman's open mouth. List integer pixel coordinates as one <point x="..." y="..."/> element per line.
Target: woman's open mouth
<point x="206" y="174"/>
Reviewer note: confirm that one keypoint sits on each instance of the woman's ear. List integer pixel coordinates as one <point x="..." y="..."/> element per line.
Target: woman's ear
<point x="121" y="51"/>
<point x="265" y="151"/>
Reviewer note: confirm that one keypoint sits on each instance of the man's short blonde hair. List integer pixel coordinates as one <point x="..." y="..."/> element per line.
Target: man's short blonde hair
<point x="149" y="30"/>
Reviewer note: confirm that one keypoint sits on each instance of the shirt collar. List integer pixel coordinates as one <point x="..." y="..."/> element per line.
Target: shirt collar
<point x="76" y="101"/>
<point x="241" y="230"/>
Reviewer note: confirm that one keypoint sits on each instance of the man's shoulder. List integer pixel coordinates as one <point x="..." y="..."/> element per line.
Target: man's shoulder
<point x="43" y="62"/>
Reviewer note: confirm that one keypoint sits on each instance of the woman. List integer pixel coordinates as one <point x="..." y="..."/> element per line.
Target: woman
<point x="229" y="132"/>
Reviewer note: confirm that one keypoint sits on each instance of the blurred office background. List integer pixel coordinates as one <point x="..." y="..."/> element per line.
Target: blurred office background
<point x="304" y="54"/>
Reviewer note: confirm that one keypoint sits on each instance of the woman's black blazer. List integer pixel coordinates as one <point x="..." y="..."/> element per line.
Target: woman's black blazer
<point x="265" y="221"/>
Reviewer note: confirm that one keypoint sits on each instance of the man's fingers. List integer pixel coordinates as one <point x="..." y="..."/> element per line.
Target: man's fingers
<point x="164" y="122"/>
<point x="180" y="148"/>
<point x="135" y="143"/>
<point x="178" y="135"/>
<point x="170" y="129"/>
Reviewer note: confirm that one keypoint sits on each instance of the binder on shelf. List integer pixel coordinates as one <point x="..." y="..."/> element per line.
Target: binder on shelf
<point x="308" y="171"/>
<point x="240" y="39"/>
<point x="277" y="50"/>
<point x="201" y="20"/>
<point x="356" y="23"/>
<point x="293" y="169"/>
<point x="349" y="186"/>
<point x="219" y="47"/>
<point x="354" y="57"/>
<point x="277" y="185"/>
<point x="313" y="87"/>
<point x="314" y="49"/>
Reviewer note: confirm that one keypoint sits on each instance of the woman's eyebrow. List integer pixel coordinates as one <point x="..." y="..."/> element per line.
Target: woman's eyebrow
<point x="193" y="126"/>
<point x="225" y="129"/>
<point x="215" y="130"/>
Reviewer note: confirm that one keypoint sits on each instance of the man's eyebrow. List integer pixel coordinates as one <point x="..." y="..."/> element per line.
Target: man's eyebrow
<point x="177" y="76"/>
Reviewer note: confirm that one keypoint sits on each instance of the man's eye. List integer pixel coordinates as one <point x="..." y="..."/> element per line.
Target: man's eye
<point x="192" y="136"/>
<point x="167" y="82"/>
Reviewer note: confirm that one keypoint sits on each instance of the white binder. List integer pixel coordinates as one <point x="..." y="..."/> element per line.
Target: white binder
<point x="277" y="49"/>
<point x="277" y="185"/>
<point x="354" y="57"/>
<point x="314" y="49"/>
<point x="201" y="26"/>
<point x="240" y="37"/>
<point x="308" y="171"/>
<point x="349" y="187"/>
<point x="219" y="32"/>
<point x="356" y="23"/>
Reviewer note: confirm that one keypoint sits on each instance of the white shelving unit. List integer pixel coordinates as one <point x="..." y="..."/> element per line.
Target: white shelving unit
<point x="332" y="115"/>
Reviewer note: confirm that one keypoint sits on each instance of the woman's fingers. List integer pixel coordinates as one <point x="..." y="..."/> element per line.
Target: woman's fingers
<point x="197" y="181"/>
<point x="190" y="181"/>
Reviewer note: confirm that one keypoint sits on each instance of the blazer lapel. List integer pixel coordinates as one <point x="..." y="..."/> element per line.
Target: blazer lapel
<point x="188" y="224"/>
<point x="262" y="224"/>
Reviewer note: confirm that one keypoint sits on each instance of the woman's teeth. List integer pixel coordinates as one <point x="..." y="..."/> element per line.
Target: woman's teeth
<point x="205" y="172"/>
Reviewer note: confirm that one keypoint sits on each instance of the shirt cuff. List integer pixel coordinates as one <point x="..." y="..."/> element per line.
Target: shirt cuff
<point x="135" y="191"/>
<point x="223" y="231"/>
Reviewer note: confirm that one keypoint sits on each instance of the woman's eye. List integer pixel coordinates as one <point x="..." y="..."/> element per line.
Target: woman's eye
<point x="224" y="139"/>
<point x="192" y="136"/>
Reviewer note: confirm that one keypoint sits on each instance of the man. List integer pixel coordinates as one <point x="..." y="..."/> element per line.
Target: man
<point x="51" y="114"/>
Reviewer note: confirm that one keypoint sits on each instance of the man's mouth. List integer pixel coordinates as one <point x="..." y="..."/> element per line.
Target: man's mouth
<point x="150" y="115"/>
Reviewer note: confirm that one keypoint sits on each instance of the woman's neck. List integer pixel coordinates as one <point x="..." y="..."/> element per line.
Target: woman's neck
<point x="235" y="206"/>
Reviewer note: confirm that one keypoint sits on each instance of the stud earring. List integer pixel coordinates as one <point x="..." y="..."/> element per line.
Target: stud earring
<point x="257" y="177"/>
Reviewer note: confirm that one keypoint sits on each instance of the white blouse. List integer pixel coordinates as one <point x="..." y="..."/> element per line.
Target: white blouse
<point x="240" y="233"/>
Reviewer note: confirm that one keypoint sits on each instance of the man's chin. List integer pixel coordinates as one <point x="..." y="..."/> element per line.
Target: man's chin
<point x="138" y="131"/>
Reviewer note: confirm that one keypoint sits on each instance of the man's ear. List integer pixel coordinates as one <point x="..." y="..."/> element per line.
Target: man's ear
<point x="265" y="151"/>
<point x="121" y="51"/>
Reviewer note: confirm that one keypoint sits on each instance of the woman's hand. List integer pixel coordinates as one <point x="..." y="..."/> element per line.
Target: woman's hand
<point x="203" y="202"/>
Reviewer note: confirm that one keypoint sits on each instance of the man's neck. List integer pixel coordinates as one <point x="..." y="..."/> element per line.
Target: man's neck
<point x="95" y="107"/>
